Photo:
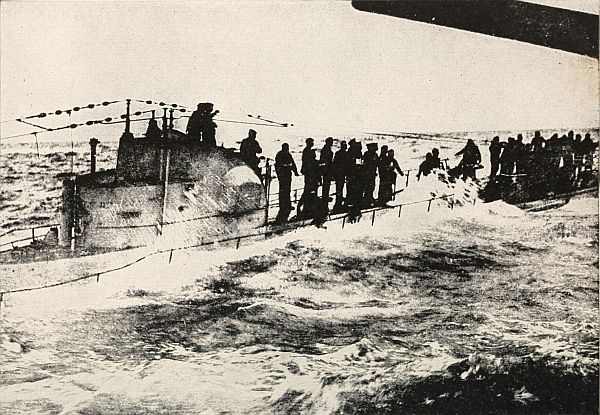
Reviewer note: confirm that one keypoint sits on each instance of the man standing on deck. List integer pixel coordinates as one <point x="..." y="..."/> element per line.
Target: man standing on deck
<point x="381" y="169"/>
<point x="249" y="148"/>
<point x="426" y="166"/>
<point x="371" y="161"/>
<point x="471" y="158"/>
<point x="201" y="126"/>
<point x="208" y="126"/>
<point x="194" y="124"/>
<point x="435" y="161"/>
<point x="310" y="170"/>
<point x="340" y="170"/>
<point x="387" y="177"/>
<point x="284" y="167"/>
<point x="507" y="160"/>
<point x="325" y="163"/>
<point x="495" y="150"/>
<point x="354" y="174"/>
<point x="537" y="143"/>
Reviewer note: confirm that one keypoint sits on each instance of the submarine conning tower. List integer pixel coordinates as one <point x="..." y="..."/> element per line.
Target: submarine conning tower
<point x="167" y="189"/>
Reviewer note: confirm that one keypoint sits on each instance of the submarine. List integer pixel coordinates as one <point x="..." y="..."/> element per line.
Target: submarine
<point x="166" y="190"/>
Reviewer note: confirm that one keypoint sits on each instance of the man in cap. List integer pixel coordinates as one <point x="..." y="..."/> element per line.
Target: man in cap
<point x="207" y="125"/>
<point x="249" y="148"/>
<point x="537" y="142"/>
<point x="310" y="170"/>
<point x="495" y="150"/>
<point x="388" y="165"/>
<point x="201" y="125"/>
<point x="426" y="166"/>
<point x="370" y="163"/>
<point x="325" y="163"/>
<point x="340" y="170"/>
<point x="471" y="158"/>
<point x="284" y="167"/>
<point x="354" y="174"/>
<point x="194" y="123"/>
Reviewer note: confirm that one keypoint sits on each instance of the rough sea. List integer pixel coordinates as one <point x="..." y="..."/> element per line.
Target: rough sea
<point x="483" y="308"/>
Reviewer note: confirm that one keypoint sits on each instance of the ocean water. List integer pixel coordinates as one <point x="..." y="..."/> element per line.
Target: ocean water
<point x="482" y="308"/>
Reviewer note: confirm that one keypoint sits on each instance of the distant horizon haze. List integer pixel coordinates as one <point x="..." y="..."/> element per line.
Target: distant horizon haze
<point x="318" y="65"/>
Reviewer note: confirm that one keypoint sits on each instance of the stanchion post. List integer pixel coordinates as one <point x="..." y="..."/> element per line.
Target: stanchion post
<point x="407" y="174"/>
<point x="32" y="234"/>
<point x="267" y="189"/>
<point x="343" y="222"/>
<point x="429" y="205"/>
<point x="170" y="256"/>
<point x="399" y="210"/>
<point x="373" y="219"/>
<point x="237" y="245"/>
<point x="98" y="277"/>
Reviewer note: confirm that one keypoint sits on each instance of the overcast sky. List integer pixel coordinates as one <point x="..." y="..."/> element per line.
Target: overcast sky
<point x="315" y="64"/>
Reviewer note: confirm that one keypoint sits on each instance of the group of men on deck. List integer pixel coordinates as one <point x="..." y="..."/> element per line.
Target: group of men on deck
<point x="517" y="157"/>
<point x="353" y="172"/>
<point x="546" y="163"/>
<point x="557" y="163"/>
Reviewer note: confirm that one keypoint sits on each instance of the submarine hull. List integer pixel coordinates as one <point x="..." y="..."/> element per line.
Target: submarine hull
<point x="166" y="193"/>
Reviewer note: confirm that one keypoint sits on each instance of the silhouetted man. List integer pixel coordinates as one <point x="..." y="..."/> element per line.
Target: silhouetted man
<point x="471" y="158"/>
<point x="537" y="142"/>
<point x="519" y="154"/>
<point x="340" y="169"/>
<point x="310" y="170"/>
<point x="495" y="150"/>
<point x="383" y="152"/>
<point x="381" y="167"/>
<point x="426" y="166"/>
<point x="284" y="167"/>
<point x="435" y="160"/>
<point x="507" y="159"/>
<point x="354" y="174"/>
<point x="201" y="125"/>
<point x="325" y="163"/>
<point x="208" y="126"/>
<point x="249" y="148"/>
<point x="370" y="163"/>
<point x="388" y="165"/>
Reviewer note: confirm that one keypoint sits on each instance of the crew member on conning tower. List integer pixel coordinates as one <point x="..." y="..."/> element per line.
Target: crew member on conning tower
<point x="249" y="148"/>
<point x="201" y="125"/>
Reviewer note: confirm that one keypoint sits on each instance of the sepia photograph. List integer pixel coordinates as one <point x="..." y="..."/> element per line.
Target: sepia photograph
<point x="299" y="207"/>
